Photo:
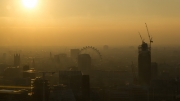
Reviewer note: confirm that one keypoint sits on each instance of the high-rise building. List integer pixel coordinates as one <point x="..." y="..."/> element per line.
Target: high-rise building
<point x="16" y="60"/>
<point x="144" y="64"/>
<point x="84" y="61"/>
<point x="40" y="89"/>
<point x="14" y="95"/>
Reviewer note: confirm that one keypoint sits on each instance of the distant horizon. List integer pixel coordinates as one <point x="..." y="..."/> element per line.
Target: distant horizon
<point x="81" y="46"/>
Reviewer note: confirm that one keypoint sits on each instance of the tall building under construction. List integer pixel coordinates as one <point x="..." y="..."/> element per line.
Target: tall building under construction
<point x="144" y="63"/>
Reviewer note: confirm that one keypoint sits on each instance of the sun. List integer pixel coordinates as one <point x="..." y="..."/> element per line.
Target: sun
<point x="29" y="3"/>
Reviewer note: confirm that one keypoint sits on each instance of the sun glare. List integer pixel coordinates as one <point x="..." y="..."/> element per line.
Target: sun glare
<point x="29" y="3"/>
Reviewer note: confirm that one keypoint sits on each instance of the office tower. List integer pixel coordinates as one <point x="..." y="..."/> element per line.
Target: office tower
<point x="40" y="89"/>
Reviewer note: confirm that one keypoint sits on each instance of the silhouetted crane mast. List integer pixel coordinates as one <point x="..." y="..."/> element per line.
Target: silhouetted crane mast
<point x="141" y="37"/>
<point x="150" y="38"/>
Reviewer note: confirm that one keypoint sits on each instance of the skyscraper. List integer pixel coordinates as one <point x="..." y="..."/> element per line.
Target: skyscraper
<point x="40" y="89"/>
<point x="84" y="61"/>
<point x="144" y="64"/>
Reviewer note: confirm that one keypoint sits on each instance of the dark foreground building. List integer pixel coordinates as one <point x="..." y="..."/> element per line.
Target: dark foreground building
<point x="40" y="89"/>
<point x="14" y="95"/>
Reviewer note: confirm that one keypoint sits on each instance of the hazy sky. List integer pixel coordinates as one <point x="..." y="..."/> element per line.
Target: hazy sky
<point x="89" y="22"/>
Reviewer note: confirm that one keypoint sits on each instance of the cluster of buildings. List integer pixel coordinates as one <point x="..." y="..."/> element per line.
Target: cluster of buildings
<point x="82" y="83"/>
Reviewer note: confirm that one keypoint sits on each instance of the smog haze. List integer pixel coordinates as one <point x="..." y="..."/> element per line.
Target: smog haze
<point x="89" y="22"/>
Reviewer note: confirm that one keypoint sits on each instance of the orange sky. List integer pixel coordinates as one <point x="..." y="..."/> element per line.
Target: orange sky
<point x="89" y="22"/>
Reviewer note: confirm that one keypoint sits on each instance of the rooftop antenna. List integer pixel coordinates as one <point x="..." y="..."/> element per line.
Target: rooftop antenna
<point x="141" y="37"/>
<point x="150" y="38"/>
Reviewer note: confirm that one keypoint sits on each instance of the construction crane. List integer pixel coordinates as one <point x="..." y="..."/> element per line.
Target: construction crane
<point x="150" y="38"/>
<point x="43" y="77"/>
<point x="141" y="37"/>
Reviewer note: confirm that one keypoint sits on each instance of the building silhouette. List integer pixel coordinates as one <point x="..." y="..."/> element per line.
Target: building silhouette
<point x="12" y="73"/>
<point x="26" y="67"/>
<point x="40" y="89"/>
<point x="28" y="72"/>
<point x="84" y="61"/>
<point x="63" y="93"/>
<point x="144" y="64"/>
<point x="16" y="60"/>
<point x="14" y="95"/>
<point x="85" y="88"/>
<point x="70" y="78"/>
